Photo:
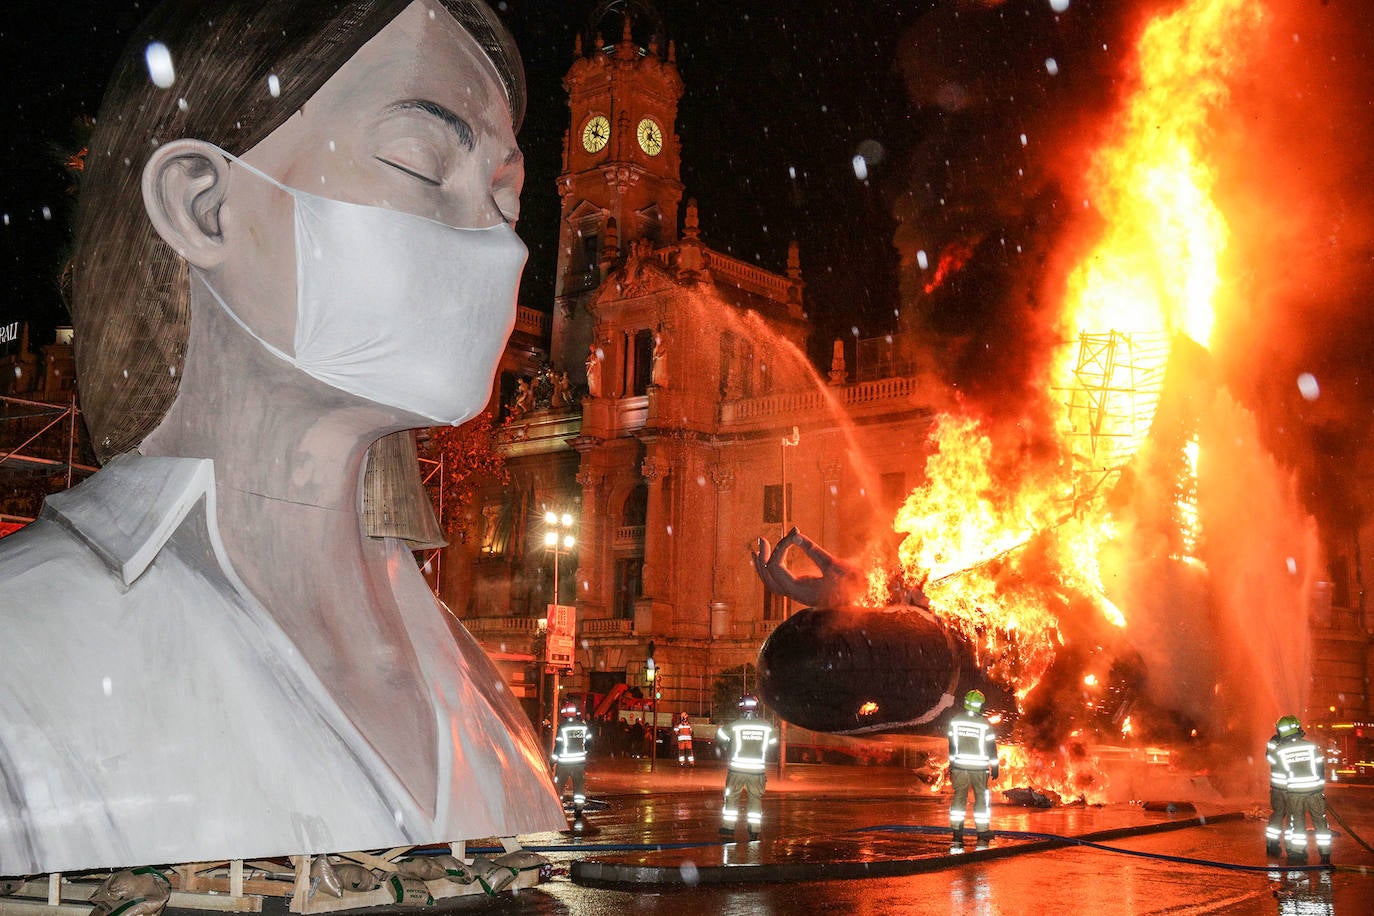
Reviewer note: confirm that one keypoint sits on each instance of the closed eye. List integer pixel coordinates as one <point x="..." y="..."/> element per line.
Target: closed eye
<point x="432" y="182"/>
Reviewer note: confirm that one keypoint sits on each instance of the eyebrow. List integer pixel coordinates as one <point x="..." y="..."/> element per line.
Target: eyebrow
<point x="459" y="126"/>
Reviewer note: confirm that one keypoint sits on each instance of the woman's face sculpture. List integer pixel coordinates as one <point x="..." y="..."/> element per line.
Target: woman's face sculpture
<point x="417" y="123"/>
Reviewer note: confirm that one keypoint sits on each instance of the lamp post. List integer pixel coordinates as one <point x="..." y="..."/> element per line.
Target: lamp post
<point x="558" y="540"/>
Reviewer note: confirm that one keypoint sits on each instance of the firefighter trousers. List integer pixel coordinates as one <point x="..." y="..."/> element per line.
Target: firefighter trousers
<point x="965" y="781"/>
<point x="684" y="752"/>
<point x="577" y="773"/>
<point x="1278" y="805"/>
<point x="1299" y="806"/>
<point x="751" y="785"/>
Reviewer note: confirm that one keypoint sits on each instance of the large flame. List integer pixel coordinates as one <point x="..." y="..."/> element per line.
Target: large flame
<point x="1001" y="560"/>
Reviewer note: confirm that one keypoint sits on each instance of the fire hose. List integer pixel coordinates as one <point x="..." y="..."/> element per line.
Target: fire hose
<point x="1353" y="835"/>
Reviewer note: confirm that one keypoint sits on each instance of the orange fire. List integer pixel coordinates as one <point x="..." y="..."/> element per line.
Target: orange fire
<point x="1153" y="276"/>
<point x="954" y="256"/>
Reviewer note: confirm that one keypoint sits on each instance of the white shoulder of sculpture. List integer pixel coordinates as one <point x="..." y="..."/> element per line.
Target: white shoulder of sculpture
<point x="151" y="711"/>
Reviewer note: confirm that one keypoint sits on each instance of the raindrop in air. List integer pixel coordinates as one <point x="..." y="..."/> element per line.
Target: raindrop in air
<point x="1052" y="66"/>
<point x="47" y="213"/>
<point x="159" y="61"/>
<point x="274" y="85"/>
<point x="860" y="168"/>
<point x="1059" y="5"/>
<point x="1307" y="386"/>
<point x="921" y="260"/>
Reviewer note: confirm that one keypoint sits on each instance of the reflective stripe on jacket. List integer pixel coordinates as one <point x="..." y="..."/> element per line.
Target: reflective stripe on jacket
<point x="748" y="741"/>
<point x="1278" y="779"/>
<point x="573" y="740"/>
<point x="1303" y="765"/>
<point x="972" y="745"/>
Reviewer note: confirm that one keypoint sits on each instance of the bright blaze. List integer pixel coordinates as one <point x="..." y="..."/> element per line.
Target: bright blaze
<point x="1151" y="277"/>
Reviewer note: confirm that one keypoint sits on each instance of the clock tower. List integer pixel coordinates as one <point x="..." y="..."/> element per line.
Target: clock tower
<point x="620" y="183"/>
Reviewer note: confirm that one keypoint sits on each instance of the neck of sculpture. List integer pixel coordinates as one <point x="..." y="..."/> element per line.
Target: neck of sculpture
<point x="289" y="453"/>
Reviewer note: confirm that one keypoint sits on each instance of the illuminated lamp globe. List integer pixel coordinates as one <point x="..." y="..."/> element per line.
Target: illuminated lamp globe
<point x="550" y="538"/>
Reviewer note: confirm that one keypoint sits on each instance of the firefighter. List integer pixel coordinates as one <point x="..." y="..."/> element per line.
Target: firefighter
<point x="972" y="765"/>
<point x="1304" y="783"/>
<point x="745" y="741"/>
<point x="683" y="731"/>
<point x="570" y="758"/>
<point x="1278" y="782"/>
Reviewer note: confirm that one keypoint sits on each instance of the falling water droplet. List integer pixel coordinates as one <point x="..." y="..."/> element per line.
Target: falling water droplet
<point x="159" y="61"/>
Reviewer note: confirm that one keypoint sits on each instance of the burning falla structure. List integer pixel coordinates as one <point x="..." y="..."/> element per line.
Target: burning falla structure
<point x="1107" y="542"/>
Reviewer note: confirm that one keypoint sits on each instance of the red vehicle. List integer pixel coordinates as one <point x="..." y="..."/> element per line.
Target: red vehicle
<point x="1349" y="751"/>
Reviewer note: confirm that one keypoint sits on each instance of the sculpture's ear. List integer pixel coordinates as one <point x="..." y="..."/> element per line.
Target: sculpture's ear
<point x="184" y="186"/>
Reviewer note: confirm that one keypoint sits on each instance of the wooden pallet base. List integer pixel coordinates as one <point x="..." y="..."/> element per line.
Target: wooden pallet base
<point x="240" y="887"/>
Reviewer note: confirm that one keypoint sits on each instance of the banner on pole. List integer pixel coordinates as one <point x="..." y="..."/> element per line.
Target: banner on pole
<point x="560" y="636"/>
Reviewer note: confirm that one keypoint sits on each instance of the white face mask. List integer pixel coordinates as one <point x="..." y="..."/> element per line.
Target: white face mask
<point x="395" y="308"/>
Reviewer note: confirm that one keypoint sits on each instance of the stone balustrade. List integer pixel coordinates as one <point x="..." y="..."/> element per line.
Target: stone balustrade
<point x="531" y="321"/>
<point x="811" y="400"/>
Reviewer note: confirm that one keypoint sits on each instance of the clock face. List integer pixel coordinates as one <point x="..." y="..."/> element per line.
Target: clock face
<point x="596" y="134"/>
<point x="650" y="136"/>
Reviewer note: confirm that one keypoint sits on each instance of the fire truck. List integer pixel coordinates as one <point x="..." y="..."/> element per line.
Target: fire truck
<point x="1349" y="750"/>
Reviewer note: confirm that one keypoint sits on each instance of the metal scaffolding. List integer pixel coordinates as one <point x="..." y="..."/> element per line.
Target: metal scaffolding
<point x="1117" y="381"/>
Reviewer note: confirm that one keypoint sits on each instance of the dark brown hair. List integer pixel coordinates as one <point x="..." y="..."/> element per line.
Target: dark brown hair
<point x="130" y="289"/>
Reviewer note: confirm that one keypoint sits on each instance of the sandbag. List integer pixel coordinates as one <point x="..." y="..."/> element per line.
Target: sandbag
<point x="455" y="869"/>
<point x="424" y="868"/>
<point x="132" y="892"/>
<point x="409" y="891"/>
<point x="494" y="877"/>
<point x="322" y="877"/>
<point x="356" y="879"/>
<point x="521" y="860"/>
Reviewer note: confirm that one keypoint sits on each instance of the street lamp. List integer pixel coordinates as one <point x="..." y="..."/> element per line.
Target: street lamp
<point x="558" y="540"/>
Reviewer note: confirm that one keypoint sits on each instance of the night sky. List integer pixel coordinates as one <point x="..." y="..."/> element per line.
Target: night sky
<point x="776" y="108"/>
<point x="970" y="137"/>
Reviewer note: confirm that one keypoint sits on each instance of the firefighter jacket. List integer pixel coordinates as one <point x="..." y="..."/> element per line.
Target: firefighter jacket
<point x="746" y="742"/>
<point x="573" y="740"/>
<point x="1278" y="779"/>
<point x="683" y="731"/>
<point x="972" y="745"/>
<point x="1303" y="765"/>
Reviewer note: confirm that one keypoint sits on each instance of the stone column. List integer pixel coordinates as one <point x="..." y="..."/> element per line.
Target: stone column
<point x="831" y="473"/>
<point x="593" y="537"/>
<point x="723" y="591"/>
<point x="657" y="521"/>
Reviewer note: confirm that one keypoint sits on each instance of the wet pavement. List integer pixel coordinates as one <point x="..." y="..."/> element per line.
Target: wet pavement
<point x="874" y="840"/>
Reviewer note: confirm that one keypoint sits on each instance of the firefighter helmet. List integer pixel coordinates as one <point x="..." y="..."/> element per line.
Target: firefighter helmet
<point x="569" y="710"/>
<point x="973" y="701"/>
<point x="749" y="704"/>
<point x="1288" y="725"/>
<point x="682" y="717"/>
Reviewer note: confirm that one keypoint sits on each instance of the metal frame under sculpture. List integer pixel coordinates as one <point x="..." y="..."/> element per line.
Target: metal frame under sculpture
<point x="294" y="241"/>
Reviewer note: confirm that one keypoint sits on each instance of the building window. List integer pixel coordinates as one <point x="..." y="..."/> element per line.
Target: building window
<point x="772" y="503"/>
<point x="643" y="361"/>
<point x="591" y="251"/>
<point x="894" y="489"/>
<point x="629" y="584"/>
<point x="636" y="508"/>
<point x="1339" y="567"/>
<point x="774" y="606"/>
